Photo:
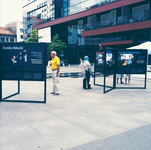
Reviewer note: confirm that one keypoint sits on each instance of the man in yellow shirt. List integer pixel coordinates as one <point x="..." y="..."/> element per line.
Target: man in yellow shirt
<point x="55" y="67"/>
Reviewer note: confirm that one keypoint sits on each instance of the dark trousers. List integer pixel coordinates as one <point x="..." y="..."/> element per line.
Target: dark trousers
<point x="86" y="81"/>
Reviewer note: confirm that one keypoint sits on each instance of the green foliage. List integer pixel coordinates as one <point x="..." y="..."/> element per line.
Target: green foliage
<point x="57" y="45"/>
<point x="34" y="37"/>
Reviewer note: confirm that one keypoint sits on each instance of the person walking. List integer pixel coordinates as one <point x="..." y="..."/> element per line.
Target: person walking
<point x="55" y="67"/>
<point x="85" y="64"/>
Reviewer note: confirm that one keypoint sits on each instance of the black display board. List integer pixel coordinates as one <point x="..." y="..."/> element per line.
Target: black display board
<point x="120" y="61"/>
<point x="132" y="61"/>
<point x="23" y="62"/>
<point x="99" y="63"/>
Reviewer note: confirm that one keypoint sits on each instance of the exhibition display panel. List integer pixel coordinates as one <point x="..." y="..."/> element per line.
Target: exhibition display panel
<point x="23" y="62"/>
<point x="113" y="62"/>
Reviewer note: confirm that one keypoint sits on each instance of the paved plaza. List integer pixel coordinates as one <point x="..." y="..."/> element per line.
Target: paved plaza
<point x="77" y="119"/>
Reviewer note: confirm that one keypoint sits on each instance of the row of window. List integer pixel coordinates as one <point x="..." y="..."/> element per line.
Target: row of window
<point x="42" y="12"/>
<point x="7" y="39"/>
<point x="115" y="17"/>
<point x="21" y="30"/>
<point x="42" y="4"/>
<point x="73" y="6"/>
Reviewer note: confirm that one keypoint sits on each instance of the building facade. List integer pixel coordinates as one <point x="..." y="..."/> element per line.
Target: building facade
<point x="84" y="20"/>
<point x="114" y="23"/>
<point x="39" y="11"/>
<point x="7" y="35"/>
<point x="17" y="28"/>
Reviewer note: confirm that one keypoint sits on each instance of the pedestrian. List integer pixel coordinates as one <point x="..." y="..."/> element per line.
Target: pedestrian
<point x="55" y="67"/>
<point x="127" y="79"/>
<point x="121" y="78"/>
<point x="86" y="72"/>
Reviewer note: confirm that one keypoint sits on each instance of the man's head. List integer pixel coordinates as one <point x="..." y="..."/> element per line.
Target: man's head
<point x="53" y="54"/>
<point x="14" y="57"/>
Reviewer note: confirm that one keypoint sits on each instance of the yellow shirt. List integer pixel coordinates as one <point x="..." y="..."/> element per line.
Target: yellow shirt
<point x="55" y="63"/>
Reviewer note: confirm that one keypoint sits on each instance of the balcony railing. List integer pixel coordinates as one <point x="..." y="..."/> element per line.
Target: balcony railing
<point x="119" y="21"/>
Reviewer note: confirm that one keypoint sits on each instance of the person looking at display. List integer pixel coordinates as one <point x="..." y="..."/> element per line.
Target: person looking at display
<point x="85" y="65"/>
<point x="55" y="67"/>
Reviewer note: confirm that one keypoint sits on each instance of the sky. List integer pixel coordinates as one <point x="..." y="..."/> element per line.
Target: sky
<point x="10" y="10"/>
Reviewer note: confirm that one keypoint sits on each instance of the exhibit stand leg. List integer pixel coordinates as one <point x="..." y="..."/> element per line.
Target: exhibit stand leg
<point x="104" y="90"/>
<point x="114" y="82"/>
<point x="108" y="71"/>
<point x="18" y="92"/>
<point x="0" y="90"/>
<point x="145" y="81"/>
<point x="5" y="99"/>
<point x="18" y="86"/>
<point x="45" y="91"/>
<point x="94" y="73"/>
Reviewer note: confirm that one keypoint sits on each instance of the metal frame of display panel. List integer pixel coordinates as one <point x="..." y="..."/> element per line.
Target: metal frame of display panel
<point x="5" y="99"/>
<point x="115" y="51"/>
<point x="145" y="74"/>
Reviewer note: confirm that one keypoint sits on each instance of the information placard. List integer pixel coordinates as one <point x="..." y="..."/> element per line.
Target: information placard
<point x="105" y="61"/>
<point x="100" y="58"/>
<point x="21" y="61"/>
<point x="120" y="61"/>
<point x="132" y="61"/>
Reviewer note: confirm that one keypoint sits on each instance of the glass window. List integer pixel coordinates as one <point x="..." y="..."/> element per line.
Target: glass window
<point x="12" y="39"/>
<point x="45" y="2"/>
<point x="2" y="39"/>
<point x="7" y="39"/>
<point x="21" y="36"/>
<point x="21" y="30"/>
<point x="75" y="6"/>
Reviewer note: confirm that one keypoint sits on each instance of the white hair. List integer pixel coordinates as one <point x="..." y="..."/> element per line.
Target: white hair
<point x="53" y="52"/>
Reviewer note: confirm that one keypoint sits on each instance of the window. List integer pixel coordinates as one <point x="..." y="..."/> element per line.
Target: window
<point x="45" y="3"/>
<point x="38" y="16"/>
<point x="21" y="36"/>
<point x="2" y="39"/>
<point x="7" y="39"/>
<point x="12" y="39"/>
<point x="21" y="30"/>
<point x="29" y="26"/>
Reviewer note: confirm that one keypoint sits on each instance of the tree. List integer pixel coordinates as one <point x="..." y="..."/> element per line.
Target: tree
<point x="34" y="37"/>
<point x="57" y="45"/>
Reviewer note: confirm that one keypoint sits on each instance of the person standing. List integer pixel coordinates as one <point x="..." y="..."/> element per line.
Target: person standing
<point x="128" y="76"/>
<point x="55" y="67"/>
<point x="121" y="78"/>
<point x="86" y="72"/>
<point x="127" y="79"/>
